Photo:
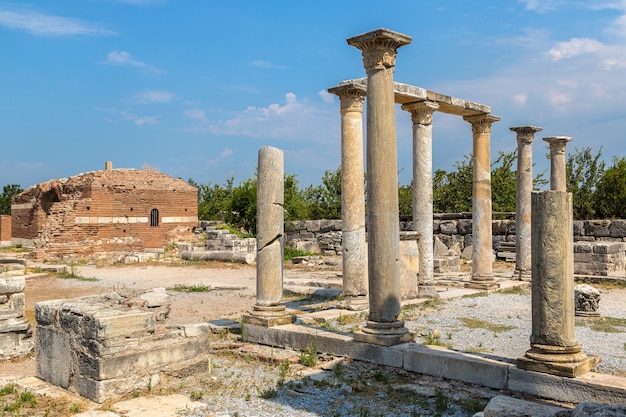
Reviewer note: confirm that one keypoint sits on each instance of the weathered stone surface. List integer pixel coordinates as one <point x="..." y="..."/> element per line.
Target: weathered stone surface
<point x="589" y="409"/>
<point x="587" y="300"/>
<point x="52" y="352"/>
<point x="11" y="285"/>
<point x="502" y="406"/>
<point x="13" y="306"/>
<point x="156" y="297"/>
<point x="617" y="228"/>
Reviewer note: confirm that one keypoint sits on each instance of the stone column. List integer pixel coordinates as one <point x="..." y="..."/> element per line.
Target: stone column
<point x="353" y="245"/>
<point x="525" y="136"/>
<point x="558" y="176"/>
<point x="482" y="246"/>
<point x="422" y="118"/>
<point x="379" y="50"/>
<point x="553" y="345"/>
<point x="270" y="240"/>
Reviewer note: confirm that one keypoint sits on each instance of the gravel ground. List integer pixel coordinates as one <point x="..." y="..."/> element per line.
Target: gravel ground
<point x="497" y="325"/>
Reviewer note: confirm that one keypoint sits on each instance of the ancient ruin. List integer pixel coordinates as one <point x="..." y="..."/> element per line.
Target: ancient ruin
<point x="15" y="329"/>
<point x="107" y="345"/>
<point x="104" y="212"/>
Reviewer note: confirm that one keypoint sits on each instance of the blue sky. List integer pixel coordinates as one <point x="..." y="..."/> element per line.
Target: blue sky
<point x="194" y="88"/>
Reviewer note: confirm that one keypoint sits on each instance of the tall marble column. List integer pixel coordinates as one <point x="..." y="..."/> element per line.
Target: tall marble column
<point x="525" y="136"/>
<point x="422" y="118"/>
<point x="379" y="49"/>
<point x="268" y="311"/>
<point x="558" y="176"/>
<point x="482" y="246"/>
<point x="353" y="245"/>
<point x="553" y="345"/>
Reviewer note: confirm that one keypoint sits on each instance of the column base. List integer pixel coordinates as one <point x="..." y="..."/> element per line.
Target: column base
<point x="523" y="275"/>
<point x="485" y="285"/>
<point x="384" y="334"/>
<point x="564" y="361"/>
<point x="268" y="316"/>
<point x="427" y="291"/>
<point x="589" y="314"/>
<point x="354" y="303"/>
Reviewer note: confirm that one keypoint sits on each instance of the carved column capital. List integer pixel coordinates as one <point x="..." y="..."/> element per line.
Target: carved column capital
<point x="481" y="123"/>
<point x="558" y="143"/>
<point x="421" y="111"/>
<point x="351" y="97"/>
<point x="526" y="134"/>
<point x="379" y="47"/>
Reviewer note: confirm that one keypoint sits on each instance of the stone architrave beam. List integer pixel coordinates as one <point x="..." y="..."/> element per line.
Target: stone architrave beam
<point x="353" y="242"/>
<point x="525" y="136"/>
<point x="379" y="49"/>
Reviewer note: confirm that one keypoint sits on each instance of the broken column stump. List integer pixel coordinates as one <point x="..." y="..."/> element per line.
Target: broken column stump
<point x="553" y="345"/>
<point x="268" y="310"/>
<point x="15" y="330"/>
<point x="105" y="346"/>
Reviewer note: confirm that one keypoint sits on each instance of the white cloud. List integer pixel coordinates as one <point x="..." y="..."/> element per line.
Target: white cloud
<point x="292" y="119"/>
<point x="226" y="152"/>
<point x="574" y="47"/>
<point x="327" y="97"/>
<point x="153" y="96"/>
<point x="126" y="116"/>
<point x="520" y="98"/>
<point x="541" y="6"/>
<point x="41" y="24"/>
<point x="266" y="64"/>
<point x="124" y="59"/>
<point x="148" y="120"/>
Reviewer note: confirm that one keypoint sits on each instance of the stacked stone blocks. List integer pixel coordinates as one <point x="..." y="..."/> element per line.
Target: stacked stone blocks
<point x="108" y="345"/>
<point x="15" y="330"/>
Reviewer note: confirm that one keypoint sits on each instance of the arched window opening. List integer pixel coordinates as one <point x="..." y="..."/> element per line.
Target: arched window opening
<point x="154" y="217"/>
<point x="48" y="199"/>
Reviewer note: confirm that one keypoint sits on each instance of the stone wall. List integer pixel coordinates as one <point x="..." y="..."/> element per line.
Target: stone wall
<point x="599" y="249"/>
<point x="120" y="210"/>
<point x="5" y="230"/>
<point x="105" y="346"/>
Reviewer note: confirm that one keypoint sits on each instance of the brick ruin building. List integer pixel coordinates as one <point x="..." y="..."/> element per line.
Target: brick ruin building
<point x="112" y="211"/>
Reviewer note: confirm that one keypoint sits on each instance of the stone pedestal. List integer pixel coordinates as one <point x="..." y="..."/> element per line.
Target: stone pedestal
<point x="553" y="345"/>
<point x="422" y="117"/>
<point x="379" y="50"/>
<point x="558" y="175"/>
<point x="270" y="240"/>
<point x="482" y="251"/>
<point x="525" y="137"/>
<point x="353" y="245"/>
<point x="15" y="330"/>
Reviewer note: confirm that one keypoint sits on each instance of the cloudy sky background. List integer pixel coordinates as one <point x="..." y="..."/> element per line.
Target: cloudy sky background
<point x="195" y="88"/>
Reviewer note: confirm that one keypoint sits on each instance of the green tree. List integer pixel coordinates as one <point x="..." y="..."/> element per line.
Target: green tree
<point x="405" y="199"/>
<point x="452" y="191"/>
<point x="213" y="199"/>
<point x="296" y="207"/>
<point x="8" y="191"/>
<point x="241" y="211"/>
<point x="611" y="191"/>
<point x="325" y="200"/>
<point x="584" y="170"/>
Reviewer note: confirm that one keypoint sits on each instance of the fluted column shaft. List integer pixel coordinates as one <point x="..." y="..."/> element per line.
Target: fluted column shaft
<point x="422" y="117"/>
<point x="524" y="188"/>
<point x="354" y="249"/>
<point x="482" y="251"/>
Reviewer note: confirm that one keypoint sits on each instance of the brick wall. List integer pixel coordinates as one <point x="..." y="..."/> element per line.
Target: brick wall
<point x="5" y="228"/>
<point x="105" y="211"/>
